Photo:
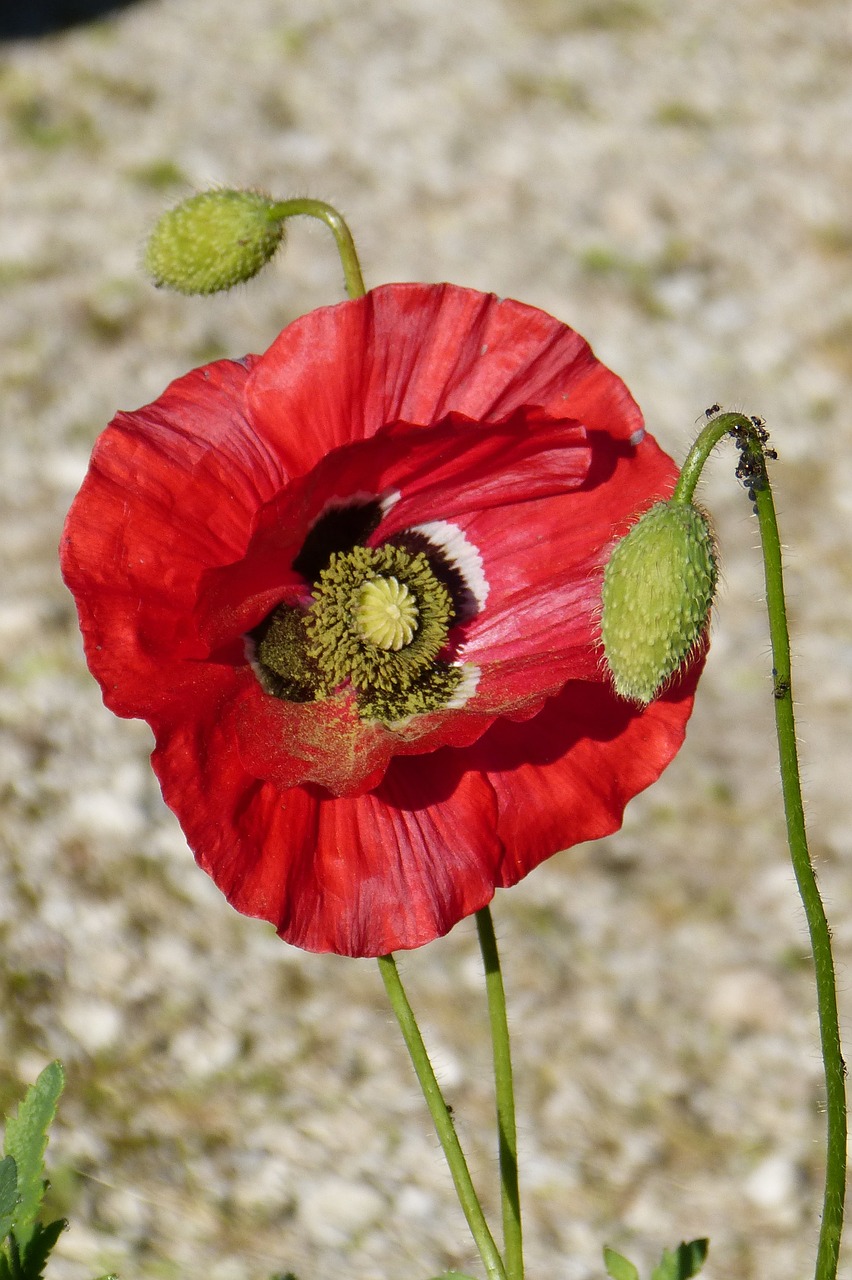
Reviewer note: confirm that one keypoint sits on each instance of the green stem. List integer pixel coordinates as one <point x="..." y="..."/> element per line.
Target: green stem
<point x="725" y="424"/>
<point x="513" y="1246"/>
<point x="751" y="440"/>
<point x="442" y="1120"/>
<point x="835" y="1071"/>
<point x="342" y="235"/>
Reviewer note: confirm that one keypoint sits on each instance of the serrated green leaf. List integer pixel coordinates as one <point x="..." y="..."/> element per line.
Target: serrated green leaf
<point x="618" y="1267"/>
<point x="26" y="1140"/>
<point x="8" y="1195"/>
<point x="5" y="1267"/>
<point x="686" y="1261"/>
<point x="39" y="1247"/>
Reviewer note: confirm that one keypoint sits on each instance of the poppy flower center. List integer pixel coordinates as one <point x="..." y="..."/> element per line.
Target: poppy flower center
<point x="353" y="632"/>
<point x="379" y="619"/>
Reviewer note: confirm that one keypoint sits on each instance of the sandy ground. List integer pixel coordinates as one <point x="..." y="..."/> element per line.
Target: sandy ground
<point x="674" y="180"/>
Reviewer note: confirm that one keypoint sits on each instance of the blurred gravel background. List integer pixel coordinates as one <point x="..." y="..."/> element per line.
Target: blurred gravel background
<point x="672" y="178"/>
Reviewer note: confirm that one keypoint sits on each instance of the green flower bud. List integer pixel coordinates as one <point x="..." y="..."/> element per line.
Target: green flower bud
<point x="657" y="592"/>
<point x="213" y="241"/>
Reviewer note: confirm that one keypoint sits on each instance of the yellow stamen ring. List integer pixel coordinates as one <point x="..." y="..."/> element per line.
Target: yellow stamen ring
<point x="386" y="613"/>
<point x="380" y="618"/>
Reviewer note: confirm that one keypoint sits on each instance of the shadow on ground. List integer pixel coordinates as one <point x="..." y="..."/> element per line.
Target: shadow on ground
<point x="25" y="18"/>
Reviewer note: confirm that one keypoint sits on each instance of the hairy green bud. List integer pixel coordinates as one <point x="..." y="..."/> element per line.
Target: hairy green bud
<point x="213" y="241"/>
<point x="657" y="593"/>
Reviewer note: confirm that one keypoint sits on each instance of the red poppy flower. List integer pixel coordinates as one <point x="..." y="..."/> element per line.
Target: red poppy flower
<point x="353" y="586"/>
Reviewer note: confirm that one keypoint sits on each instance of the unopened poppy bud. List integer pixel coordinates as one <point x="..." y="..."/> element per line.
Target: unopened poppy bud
<point x="213" y="241"/>
<point x="657" y="592"/>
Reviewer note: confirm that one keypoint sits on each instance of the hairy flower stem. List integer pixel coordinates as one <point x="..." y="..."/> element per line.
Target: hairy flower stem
<point x="442" y="1120"/>
<point x="751" y="439"/>
<point x="513" y="1249"/>
<point x="342" y="235"/>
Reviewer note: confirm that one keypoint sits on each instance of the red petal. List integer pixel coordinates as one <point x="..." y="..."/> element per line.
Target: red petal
<point x="414" y="353"/>
<point x="566" y="775"/>
<point x="460" y="467"/>
<point x="391" y="869"/>
<point x="325" y="743"/>
<point x="401" y="865"/>
<point x="171" y="490"/>
<point x="544" y="564"/>
<point x="452" y="467"/>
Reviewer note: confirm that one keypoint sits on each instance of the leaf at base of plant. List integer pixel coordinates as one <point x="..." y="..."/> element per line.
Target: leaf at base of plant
<point x="39" y="1248"/>
<point x="684" y="1263"/>
<point x="618" y="1267"/>
<point x="26" y="1141"/>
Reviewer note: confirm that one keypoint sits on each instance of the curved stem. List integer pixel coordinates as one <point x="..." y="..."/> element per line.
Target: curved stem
<point x="513" y="1249"/>
<point x="442" y="1120"/>
<point x="337" y="225"/>
<point x="725" y="424"/>
<point x="835" y="1071"/>
<point x="751" y="439"/>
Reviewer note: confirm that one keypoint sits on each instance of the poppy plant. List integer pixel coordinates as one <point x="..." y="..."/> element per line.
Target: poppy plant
<point x="354" y="586"/>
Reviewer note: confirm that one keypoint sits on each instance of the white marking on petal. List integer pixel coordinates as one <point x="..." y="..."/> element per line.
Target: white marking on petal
<point x="461" y="554"/>
<point x="360" y="498"/>
<point x="638" y="436"/>
<point x="250" y="650"/>
<point x="466" y="687"/>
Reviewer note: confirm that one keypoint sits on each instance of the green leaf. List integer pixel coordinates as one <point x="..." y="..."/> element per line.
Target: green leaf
<point x="26" y="1140"/>
<point x="39" y="1248"/>
<point x="617" y="1267"/>
<point x="692" y="1257"/>
<point x="8" y="1195"/>
<point x="667" y="1267"/>
<point x="685" y="1262"/>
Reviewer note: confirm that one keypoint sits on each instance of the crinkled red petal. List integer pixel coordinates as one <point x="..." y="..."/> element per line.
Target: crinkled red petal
<point x="566" y="775"/>
<point x="415" y="353"/>
<point x="171" y="490"/>
<point x="454" y="466"/>
<point x="400" y="865"/>
<point x="545" y="565"/>
<point x="387" y="870"/>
